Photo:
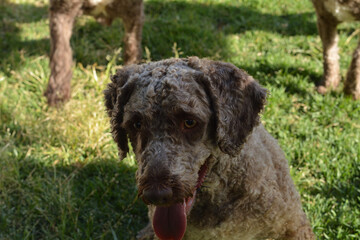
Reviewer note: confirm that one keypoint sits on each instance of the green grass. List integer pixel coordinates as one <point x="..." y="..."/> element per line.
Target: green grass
<point x="59" y="173"/>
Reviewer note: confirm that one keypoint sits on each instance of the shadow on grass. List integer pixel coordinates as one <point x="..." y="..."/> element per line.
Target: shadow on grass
<point x="44" y="197"/>
<point x="342" y="191"/>
<point x="206" y="25"/>
<point x="267" y="74"/>
<point x="80" y="201"/>
<point x="12" y="46"/>
<point x="342" y="196"/>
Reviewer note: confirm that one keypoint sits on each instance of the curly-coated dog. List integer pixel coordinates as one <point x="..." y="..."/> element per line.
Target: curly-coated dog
<point x="330" y="13"/>
<point x="195" y="122"/>
<point x="62" y="16"/>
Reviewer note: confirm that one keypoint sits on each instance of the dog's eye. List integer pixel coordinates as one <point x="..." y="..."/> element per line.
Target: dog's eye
<point x="137" y="125"/>
<point x="189" y="123"/>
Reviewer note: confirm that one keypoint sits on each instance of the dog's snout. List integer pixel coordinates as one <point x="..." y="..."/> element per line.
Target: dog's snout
<point x="157" y="196"/>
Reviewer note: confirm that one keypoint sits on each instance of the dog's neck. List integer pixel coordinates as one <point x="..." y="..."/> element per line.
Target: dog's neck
<point x="214" y="197"/>
<point x="228" y="182"/>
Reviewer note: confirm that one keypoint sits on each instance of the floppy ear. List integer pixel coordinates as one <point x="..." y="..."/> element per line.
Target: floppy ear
<point x="236" y="99"/>
<point x="117" y="94"/>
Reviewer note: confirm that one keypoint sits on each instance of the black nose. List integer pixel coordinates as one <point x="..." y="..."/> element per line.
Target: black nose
<point x="157" y="196"/>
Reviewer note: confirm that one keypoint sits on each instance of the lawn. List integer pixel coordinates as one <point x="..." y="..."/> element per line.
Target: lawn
<point x="59" y="173"/>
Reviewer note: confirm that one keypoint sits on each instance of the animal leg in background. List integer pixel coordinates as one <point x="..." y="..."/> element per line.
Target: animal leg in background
<point x="61" y="24"/>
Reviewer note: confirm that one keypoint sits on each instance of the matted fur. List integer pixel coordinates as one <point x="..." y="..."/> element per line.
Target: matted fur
<point x="248" y="192"/>
<point x="62" y="16"/>
<point x="330" y="13"/>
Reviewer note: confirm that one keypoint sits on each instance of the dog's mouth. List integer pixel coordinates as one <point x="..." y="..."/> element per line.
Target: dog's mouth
<point x="169" y="223"/>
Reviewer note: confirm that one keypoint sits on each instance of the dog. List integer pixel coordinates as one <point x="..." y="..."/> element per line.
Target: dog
<point x="330" y="13"/>
<point x="62" y="16"/>
<point x="207" y="168"/>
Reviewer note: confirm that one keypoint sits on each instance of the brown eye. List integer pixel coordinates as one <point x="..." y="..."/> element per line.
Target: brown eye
<point x="137" y="125"/>
<point x="190" y="123"/>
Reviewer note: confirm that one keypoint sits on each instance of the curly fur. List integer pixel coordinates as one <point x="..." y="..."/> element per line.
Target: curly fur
<point x="248" y="192"/>
<point x="330" y="13"/>
<point x="62" y="16"/>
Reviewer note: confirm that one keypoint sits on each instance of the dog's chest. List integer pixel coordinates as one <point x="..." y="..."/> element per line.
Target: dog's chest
<point x="227" y="231"/>
<point x="218" y="221"/>
<point x="342" y="12"/>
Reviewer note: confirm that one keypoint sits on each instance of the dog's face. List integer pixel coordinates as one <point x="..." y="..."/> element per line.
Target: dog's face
<point x="167" y="119"/>
<point x="177" y="113"/>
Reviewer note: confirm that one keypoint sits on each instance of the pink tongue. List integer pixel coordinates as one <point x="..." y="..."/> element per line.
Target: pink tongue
<point x="170" y="222"/>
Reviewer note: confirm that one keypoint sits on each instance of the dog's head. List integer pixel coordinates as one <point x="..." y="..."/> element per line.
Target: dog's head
<point x="177" y="114"/>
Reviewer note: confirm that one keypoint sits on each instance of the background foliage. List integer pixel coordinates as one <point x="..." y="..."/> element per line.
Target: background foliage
<point x="59" y="173"/>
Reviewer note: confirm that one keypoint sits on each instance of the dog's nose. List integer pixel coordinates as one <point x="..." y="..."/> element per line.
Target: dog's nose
<point x="157" y="196"/>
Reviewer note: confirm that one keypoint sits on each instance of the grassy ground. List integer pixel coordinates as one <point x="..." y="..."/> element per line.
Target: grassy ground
<point x="59" y="173"/>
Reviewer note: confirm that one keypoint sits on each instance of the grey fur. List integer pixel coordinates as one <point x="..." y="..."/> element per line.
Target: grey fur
<point x="249" y="193"/>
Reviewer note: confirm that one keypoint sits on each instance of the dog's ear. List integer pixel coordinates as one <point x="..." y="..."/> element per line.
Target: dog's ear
<point x="117" y="94"/>
<point x="236" y="99"/>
